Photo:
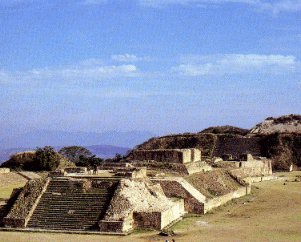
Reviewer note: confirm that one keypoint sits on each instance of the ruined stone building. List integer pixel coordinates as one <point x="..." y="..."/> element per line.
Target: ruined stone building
<point x="130" y="199"/>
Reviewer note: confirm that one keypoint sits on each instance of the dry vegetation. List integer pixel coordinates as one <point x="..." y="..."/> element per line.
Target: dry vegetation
<point x="214" y="183"/>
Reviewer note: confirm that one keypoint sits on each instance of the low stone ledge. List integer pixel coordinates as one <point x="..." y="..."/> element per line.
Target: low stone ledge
<point x="63" y="231"/>
<point x="14" y="222"/>
<point x="109" y="226"/>
<point x="218" y="201"/>
<point x="193" y="199"/>
<point x="121" y="226"/>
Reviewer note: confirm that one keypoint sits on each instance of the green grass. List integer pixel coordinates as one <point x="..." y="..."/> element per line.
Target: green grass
<point x="8" y="182"/>
<point x="7" y="190"/>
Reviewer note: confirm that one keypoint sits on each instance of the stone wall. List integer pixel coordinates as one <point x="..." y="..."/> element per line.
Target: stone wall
<point x="253" y="168"/>
<point x="159" y="220"/>
<point x="198" y="166"/>
<point x="25" y="204"/>
<point x="234" y="146"/>
<point x="147" y="220"/>
<point x="193" y="200"/>
<point x="131" y="172"/>
<point x="196" y="155"/>
<point x="140" y="203"/>
<point x="168" y="155"/>
<point x="163" y="166"/>
<point x="263" y="166"/>
<point x="218" y="201"/>
<point x="122" y="226"/>
<point x="172" y="214"/>
<point x="6" y="206"/>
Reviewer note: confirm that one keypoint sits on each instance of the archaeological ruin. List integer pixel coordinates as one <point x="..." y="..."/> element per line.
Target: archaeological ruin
<point x="152" y="189"/>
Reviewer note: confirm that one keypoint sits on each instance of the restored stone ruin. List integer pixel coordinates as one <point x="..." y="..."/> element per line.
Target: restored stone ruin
<point x="128" y="198"/>
<point x="168" y="155"/>
<point x="116" y="205"/>
<point x="183" y="161"/>
<point x="140" y="204"/>
<point x="249" y="168"/>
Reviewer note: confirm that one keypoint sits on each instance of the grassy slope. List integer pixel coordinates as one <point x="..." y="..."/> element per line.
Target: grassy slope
<point x="214" y="183"/>
<point x="8" y="182"/>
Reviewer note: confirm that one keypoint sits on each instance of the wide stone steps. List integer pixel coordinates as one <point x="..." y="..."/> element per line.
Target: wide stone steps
<point x="60" y="208"/>
<point x="67" y="206"/>
<point x="72" y="197"/>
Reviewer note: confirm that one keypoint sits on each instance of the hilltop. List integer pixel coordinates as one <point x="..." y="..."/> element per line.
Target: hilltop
<point x="284" y="124"/>
<point x="277" y="138"/>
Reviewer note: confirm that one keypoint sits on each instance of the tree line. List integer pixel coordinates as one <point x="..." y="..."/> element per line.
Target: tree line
<point x="48" y="159"/>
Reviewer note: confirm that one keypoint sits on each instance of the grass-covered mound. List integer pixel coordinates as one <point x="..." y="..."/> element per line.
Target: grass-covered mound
<point x="213" y="183"/>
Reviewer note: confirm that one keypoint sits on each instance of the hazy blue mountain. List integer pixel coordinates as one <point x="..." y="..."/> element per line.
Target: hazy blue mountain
<point x="107" y="151"/>
<point x="62" y="138"/>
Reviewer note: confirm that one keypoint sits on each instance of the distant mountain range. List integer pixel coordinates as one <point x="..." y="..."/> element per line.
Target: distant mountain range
<point x="63" y="138"/>
<point x="112" y="142"/>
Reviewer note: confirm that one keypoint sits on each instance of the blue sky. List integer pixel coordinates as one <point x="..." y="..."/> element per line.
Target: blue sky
<point x="164" y="66"/>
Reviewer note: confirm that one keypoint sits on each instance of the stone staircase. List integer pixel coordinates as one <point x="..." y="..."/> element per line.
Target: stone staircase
<point x="67" y="205"/>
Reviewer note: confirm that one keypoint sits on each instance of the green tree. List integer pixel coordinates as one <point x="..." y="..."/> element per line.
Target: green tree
<point x="47" y="158"/>
<point x="75" y="153"/>
<point x="89" y="161"/>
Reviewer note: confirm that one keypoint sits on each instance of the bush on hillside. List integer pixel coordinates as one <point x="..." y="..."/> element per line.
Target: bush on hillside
<point x="46" y="159"/>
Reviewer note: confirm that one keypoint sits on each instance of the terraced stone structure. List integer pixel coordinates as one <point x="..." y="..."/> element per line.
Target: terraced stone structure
<point x="128" y="199"/>
<point x="168" y="155"/>
<point x="181" y="161"/>
<point x="71" y="204"/>
<point x="62" y="204"/>
<point x="115" y="205"/>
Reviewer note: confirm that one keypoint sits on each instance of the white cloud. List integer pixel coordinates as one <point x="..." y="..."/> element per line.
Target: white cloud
<point x="236" y="64"/>
<point x="124" y="58"/>
<point x="275" y="6"/>
<point x="128" y="58"/>
<point x="281" y="6"/>
<point x="94" y="2"/>
<point x="86" y="71"/>
<point x="4" y="77"/>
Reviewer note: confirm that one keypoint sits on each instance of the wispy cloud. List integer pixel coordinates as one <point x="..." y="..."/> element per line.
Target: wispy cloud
<point x="94" y="2"/>
<point x="96" y="70"/>
<point x="128" y="58"/>
<point x="89" y="70"/>
<point x="275" y="6"/>
<point x="4" y="77"/>
<point x="236" y="64"/>
<point x="280" y="6"/>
